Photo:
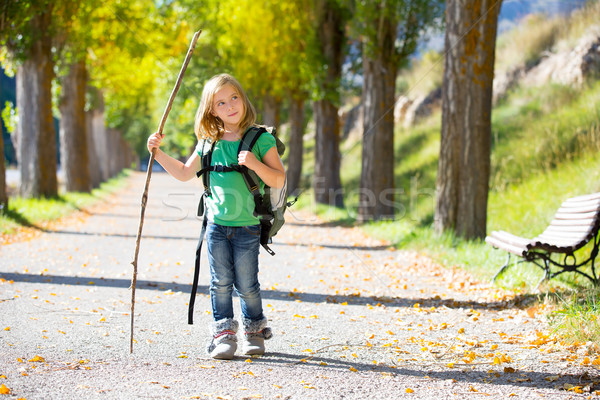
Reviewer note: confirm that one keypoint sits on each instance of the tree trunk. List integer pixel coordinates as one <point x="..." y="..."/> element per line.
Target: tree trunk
<point x="464" y="164"/>
<point x="37" y="136"/>
<point x="327" y="182"/>
<point x="93" y="161"/>
<point x="377" y="176"/>
<point x="3" y="194"/>
<point x="271" y="108"/>
<point x="73" y="135"/>
<point x="295" y="148"/>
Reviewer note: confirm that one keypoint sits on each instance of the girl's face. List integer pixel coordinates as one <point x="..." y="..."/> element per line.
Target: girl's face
<point x="228" y="106"/>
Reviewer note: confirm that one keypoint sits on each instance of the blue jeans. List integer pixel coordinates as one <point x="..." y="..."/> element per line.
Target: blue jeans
<point x="233" y="259"/>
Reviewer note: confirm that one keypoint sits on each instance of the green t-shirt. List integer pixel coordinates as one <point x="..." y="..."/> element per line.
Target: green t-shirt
<point x="230" y="202"/>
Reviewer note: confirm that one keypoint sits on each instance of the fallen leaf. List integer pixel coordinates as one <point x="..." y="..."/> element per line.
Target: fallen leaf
<point x="552" y="378"/>
<point x="353" y="369"/>
<point x="4" y="389"/>
<point x="409" y="390"/>
<point x="37" y="359"/>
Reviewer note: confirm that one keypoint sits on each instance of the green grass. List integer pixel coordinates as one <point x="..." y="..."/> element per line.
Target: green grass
<point x="578" y="316"/>
<point x="32" y="212"/>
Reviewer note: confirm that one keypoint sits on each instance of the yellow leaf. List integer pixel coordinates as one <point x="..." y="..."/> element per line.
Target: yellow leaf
<point x="409" y="390"/>
<point x="37" y="359"/>
<point x="102" y="319"/>
<point x="277" y="386"/>
<point x="249" y="360"/>
<point x="494" y="346"/>
<point x="4" y="389"/>
<point x="3" y="377"/>
<point x="323" y="363"/>
<point x="461" y="330"/>
<point x="450" y="365"/>
<point x="353" y="369"/>
<point x="472" y="389"/>
<point x="7" y="328"/>
<point x="586" y="361"/>
<point x="496" y="361"/>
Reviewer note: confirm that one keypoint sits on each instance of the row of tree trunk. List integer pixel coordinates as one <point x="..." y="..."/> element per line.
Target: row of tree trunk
<point x="90" y="152"/>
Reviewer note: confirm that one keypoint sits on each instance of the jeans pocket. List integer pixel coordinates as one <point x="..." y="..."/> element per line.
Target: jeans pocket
<point x="252" y="229"/>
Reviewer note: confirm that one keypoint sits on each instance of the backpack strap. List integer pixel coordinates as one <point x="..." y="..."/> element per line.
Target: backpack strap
<point x="248" y="141"/>
<point x="205" y="161"/>
<point x="196" y="270"/>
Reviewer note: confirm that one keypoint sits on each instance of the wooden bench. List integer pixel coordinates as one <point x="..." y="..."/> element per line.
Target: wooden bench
<point x="575" y="224"/>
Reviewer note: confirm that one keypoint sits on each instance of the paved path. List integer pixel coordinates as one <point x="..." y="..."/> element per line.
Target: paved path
<point x="352" y="318"/>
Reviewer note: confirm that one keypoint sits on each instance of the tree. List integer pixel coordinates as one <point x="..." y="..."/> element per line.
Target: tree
<point x="389" y="33"/>
<point x="464" y="163"/>
<point x="3" y="194"/>
<point x="73" y="128"/>
<point x="329" y="23"/>
<point x="72" y="44"/>
<point x="26" y="31"/>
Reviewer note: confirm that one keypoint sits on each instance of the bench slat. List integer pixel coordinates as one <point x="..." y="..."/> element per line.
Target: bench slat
<point x="520" y="251"/>
<point x="568" y="230"/>
<point x="586" y="222"/>
<point x="556" y="240"/>
<point x="511" y="239"/>
<point x="585" y="197"/>
<point x="575" y="216"/>
<point x="572" y="208"/>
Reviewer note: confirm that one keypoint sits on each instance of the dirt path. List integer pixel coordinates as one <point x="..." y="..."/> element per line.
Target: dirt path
<point x="352" y="318"/>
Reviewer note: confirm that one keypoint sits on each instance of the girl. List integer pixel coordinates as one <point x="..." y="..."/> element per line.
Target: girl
<point x="233" y="233"/>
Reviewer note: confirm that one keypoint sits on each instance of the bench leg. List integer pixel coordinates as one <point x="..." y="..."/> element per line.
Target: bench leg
<point x="502" y="268"/>
<point x="546" y="274"/>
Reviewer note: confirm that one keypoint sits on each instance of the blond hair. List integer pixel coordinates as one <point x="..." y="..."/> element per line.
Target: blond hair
<point x="209" y="126"/>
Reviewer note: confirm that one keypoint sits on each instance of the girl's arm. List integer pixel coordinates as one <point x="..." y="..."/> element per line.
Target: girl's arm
<point x="175" y="168"/>
<point x="270" y="170"/>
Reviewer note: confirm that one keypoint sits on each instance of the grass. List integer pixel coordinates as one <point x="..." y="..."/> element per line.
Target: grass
<point x="578" y="316"/>
<point x="33" y="212"/>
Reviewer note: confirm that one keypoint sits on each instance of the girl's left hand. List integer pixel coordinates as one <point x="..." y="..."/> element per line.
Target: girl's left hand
<point x="248" y="159"/>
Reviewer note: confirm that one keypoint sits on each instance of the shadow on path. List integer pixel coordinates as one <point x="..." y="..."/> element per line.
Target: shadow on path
<point x="424" y="302"/>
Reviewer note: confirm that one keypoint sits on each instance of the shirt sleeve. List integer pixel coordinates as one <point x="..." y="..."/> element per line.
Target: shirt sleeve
<point x="265" y="142"/>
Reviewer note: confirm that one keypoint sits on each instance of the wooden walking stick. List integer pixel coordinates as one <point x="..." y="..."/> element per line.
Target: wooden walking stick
<point x="149" y="174"/>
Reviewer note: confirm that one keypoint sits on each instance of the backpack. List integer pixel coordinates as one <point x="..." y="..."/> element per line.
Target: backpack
<point x="269" y="206"/>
